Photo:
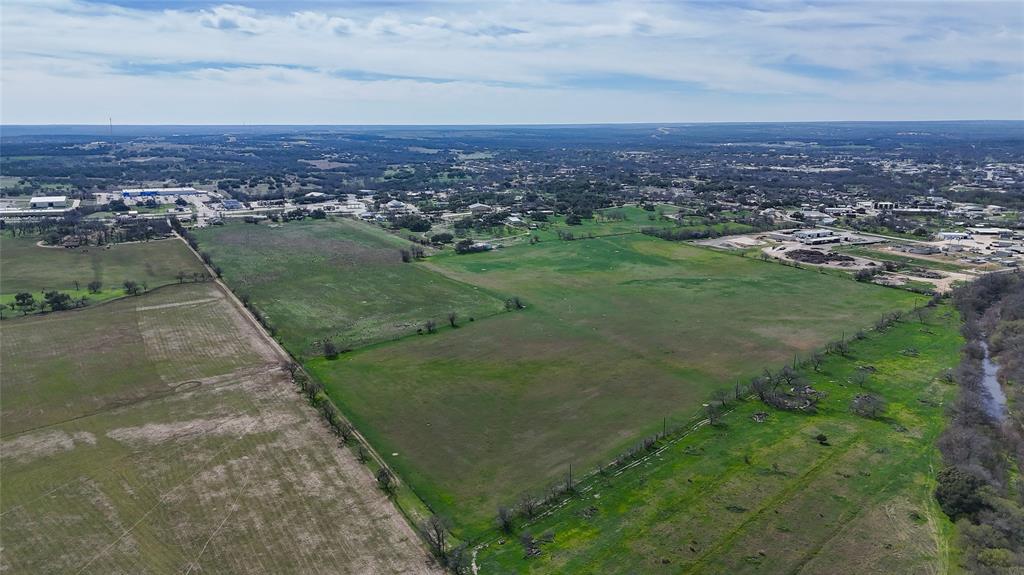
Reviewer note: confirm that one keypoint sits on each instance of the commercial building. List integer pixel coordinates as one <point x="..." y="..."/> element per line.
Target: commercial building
<point x="154" y="192"/>
<point x="43" y="202"/>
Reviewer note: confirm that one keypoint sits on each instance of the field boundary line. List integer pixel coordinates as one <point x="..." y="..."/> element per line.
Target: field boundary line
<point x="47" y="315"/>
<point x="286" y="357"/>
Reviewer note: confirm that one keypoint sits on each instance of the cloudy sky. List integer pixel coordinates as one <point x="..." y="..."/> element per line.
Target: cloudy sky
<point x="461" y="61"/>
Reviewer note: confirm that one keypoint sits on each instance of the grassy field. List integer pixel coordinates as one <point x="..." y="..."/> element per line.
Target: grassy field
<point x="30" y="268"/>
<point x="747" y="497"/>
<point x="625" y="220"/>
<point x="618" y="333"/>
<point x="157" y="434"/>
<point x="336" y="279"/>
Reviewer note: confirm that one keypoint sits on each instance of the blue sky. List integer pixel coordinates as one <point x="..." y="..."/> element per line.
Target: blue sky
<point x="525" y="61"/>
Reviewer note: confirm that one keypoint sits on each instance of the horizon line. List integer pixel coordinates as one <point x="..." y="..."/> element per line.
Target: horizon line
<point x="519" y="124"/>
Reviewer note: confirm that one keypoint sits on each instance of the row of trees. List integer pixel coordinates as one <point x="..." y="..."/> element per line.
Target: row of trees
<point x="435" y="529"/>
<point x="26" y="303"/>
<point x="331" y="350"/>
<point x="54" y="300"/>
<point x="978" y="487"/>
<point x="786" y="389"/>
<point x="413" y="253"/>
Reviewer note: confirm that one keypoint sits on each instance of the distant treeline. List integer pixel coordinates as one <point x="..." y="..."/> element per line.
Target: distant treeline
<point x="683" y="234"/>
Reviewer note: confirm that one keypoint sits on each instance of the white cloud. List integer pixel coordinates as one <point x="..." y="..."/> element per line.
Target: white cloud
<point x="72" y="61"/>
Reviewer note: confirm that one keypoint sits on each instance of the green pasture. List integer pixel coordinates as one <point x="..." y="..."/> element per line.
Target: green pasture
<point x="27" y="267"/>
<point x="618" y="333"/>
<point x="337" y="279"/>
<point x="747" y="497"/>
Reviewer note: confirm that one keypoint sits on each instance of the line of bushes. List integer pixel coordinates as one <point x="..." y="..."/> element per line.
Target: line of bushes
<point x="783" y="389"/>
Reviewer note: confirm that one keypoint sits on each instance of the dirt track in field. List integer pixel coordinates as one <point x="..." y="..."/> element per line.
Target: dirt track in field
<point x="225" y="473"/>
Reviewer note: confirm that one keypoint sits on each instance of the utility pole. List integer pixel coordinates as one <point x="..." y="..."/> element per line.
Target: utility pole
<point x="113" y="145"/>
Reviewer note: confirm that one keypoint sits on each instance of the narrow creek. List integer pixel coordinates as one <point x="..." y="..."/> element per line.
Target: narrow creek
<point x="995" y="405"/>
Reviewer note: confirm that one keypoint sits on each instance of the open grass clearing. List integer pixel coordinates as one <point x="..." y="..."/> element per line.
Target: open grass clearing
<point x="627" y="220"/>
<point x="336" y="279"/>
<point x="748" y="497"/>
<point x="618" y="334"/>
<point x="27" y="267"/>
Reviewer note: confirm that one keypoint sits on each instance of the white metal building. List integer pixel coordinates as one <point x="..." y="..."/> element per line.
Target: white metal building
<point x="42" y="202"/>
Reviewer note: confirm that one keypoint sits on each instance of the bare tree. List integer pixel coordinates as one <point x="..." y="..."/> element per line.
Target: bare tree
<point x="838" y="347"/>
<point x="816" y="360"/>
<point x="505" y="519"/>
<point x="291" y="367"/>
<point x="762" y="386"/>
<point x="430" y="326"/>
<point x="452" y="319"/>
<point x="345" y="430"/>
<point x="720" y="395"/>
<point x="386" y="480"/>
<point x="713" y="413"/>
<point x="528" y="505"/>
<point x="435" y="529"/>
<point x="787" y="375"/>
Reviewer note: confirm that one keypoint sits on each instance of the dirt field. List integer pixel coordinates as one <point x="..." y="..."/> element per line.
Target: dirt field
<point x="158" y="434"/>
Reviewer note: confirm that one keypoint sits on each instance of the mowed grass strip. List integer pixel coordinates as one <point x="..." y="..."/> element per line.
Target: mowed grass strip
<point x="337" y="279"/>
<point x="26" y="267"/>
<point x="747" y="497"/>
<point x="174" y="443"/>
<point x="618" y="333"/>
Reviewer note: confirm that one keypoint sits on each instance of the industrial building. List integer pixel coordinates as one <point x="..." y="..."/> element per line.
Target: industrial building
<point x="43" y="202"/>
<point x="154" y="192"/>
